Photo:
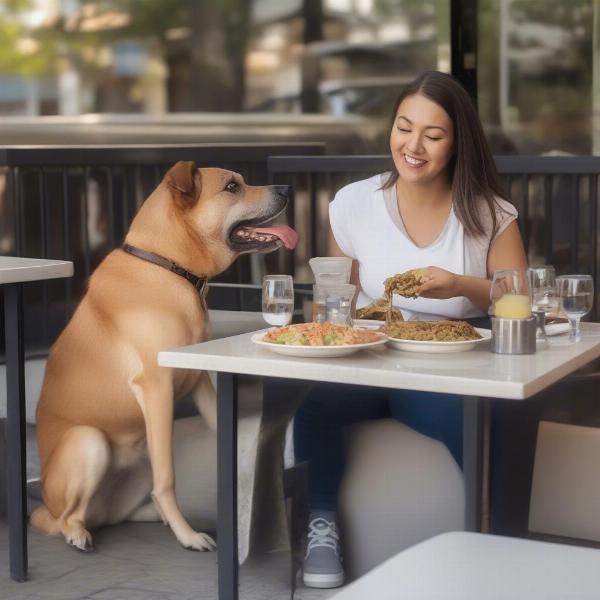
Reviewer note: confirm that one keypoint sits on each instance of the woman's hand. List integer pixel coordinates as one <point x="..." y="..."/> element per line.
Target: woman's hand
<point x="440" y="284"/>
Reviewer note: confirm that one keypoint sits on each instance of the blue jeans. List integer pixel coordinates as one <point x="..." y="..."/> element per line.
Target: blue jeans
<point x="328" y="408"/>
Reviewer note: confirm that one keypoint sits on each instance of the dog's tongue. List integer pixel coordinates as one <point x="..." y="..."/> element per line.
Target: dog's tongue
<point x="286" y="234"/>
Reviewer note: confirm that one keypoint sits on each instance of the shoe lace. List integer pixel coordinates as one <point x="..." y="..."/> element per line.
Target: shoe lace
<point x="322" y="534"/>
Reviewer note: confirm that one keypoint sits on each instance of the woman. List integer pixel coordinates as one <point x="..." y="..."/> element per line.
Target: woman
<point x="440" y="207"/>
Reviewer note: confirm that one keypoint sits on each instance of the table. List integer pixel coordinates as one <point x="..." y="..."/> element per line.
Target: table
<point x="14" y="272"/>
<point x="475" y="566"/>
<point x="477" y="376"/>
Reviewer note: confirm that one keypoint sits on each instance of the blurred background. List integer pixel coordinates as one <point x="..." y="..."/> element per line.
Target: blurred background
<point x="127" y="71"/>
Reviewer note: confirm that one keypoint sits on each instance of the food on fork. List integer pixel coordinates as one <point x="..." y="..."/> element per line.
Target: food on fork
<point x="433" y="331"/>
<point x="320" y="334"/>
<point x="405" y="284"/>
<point x="378" y="310"/>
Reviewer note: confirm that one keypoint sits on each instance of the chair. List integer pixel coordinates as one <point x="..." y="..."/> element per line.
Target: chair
<point x="475" y="566"/>
<point x="565" y="490"/>
<point x="400" y="488"/>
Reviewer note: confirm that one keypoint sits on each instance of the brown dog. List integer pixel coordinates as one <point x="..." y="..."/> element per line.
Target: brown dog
<point x="105" y="404"/>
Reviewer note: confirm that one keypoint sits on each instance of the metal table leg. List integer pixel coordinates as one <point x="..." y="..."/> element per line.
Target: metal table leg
<point x="15" y="431"/>
<point x="475" y="455"/>
<point x="227" y="526"/>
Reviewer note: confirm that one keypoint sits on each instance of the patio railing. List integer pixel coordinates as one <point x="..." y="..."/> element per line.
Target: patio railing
<point x="557" y="199"/>
<point x="77" y="203"/>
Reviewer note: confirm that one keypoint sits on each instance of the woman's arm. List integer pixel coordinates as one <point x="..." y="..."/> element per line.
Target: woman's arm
<point x="506" y="252"/>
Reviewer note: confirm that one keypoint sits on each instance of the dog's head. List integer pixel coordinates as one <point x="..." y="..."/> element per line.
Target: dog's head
<point x="220" y="209"/>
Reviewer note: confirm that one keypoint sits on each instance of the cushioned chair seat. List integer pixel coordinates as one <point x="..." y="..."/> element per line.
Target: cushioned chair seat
<point x="400" y="488"/>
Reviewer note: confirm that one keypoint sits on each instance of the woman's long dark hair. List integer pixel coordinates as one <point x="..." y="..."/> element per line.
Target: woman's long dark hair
<point x="472" y="169"/>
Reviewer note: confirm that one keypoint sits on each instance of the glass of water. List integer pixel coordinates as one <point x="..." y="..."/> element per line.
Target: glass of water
<point x="576" y="300"/>
<point x="544" y="298"/>
<point x="542" y="285"/>
<point x="278" y="299"/>
<point x="333" y="303"/>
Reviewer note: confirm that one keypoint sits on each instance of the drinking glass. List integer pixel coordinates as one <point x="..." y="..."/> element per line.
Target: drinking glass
<point x="576" y="300"/>
<point x="544" y="298"/>
<point x="510" y="295"/>
<point x="278" y="299"/>
<point x="333" y="303"/>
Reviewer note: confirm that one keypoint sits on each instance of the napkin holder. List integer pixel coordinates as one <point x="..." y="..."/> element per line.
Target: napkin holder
<point x="513" y="336"/>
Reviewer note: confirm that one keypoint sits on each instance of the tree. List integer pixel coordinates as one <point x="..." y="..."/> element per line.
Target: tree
<point x="21" y="53"/>
<point x="203" y="42"/>
<point x="206" y="67"/>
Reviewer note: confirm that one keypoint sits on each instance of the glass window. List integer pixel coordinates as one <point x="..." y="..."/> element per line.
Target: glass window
<point x="160" y="56"/>
<point x="353" y="60"/>
<point x="535" y="74"/>
<point x="136" y="61"/>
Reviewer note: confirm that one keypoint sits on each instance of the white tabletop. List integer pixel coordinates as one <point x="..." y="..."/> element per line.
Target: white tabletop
<point x="478" y="372"/>
<point x="16" y="270"/>
<point x="474" y="566"/>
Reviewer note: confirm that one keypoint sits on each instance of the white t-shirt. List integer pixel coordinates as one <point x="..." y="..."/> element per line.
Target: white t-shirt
<point x="367" y="227"/>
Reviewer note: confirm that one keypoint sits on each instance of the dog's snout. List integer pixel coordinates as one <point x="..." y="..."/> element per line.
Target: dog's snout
<point x="281" y="191"/>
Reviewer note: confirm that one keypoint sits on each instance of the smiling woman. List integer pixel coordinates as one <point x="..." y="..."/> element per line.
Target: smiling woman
<point x="439" y="219"/>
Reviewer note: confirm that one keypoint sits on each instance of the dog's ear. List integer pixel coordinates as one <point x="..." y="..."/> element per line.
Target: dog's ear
<point x="183" y="179"/>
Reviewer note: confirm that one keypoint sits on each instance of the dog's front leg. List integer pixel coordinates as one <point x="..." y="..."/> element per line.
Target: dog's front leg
<point x="205" y="398"/>
<point x="155" y="397"/>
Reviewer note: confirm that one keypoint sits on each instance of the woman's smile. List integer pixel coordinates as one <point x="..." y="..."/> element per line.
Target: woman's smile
<point x="413" y="162"/>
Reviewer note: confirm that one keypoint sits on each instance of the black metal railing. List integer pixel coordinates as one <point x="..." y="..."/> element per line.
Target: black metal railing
<point x="77" y="203"/>
<point x="557" y="199"/>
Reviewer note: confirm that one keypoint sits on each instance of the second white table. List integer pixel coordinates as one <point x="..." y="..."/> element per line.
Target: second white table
<point x="475" y="375"/>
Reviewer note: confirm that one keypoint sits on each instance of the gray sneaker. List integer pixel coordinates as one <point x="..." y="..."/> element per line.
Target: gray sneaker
<point x="323" y="562"/>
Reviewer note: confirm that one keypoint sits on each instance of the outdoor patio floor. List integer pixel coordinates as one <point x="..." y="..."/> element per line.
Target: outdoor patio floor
<point x="138" y="561"/>
<point x="135" y="561"/>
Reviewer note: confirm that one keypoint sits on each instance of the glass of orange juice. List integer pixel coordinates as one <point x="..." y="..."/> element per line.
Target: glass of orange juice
<point x="510" y="295"/>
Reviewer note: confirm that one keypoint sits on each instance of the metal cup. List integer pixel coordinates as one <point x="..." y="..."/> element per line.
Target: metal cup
<point x="513" y="336"/>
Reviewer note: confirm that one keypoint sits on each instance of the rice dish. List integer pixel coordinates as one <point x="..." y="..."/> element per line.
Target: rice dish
<point x="320" y="334"/>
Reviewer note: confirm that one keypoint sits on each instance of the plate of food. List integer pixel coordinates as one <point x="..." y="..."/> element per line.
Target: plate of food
<point x="436" y="336"/>
<point x="318" y="340"/>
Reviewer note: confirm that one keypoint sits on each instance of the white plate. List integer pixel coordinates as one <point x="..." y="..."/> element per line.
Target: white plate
<point x="554" y="329"/>
<point x="315" y="351"/>
<point x="368" y="323"/>
<point x="439" y="347"/>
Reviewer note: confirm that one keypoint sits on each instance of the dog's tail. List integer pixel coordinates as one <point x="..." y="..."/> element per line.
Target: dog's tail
<point x="43" y="521"/>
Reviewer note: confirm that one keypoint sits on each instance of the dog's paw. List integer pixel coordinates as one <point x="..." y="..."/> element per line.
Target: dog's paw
<point x="80" y="540"/>
<point x="200" y="542"/>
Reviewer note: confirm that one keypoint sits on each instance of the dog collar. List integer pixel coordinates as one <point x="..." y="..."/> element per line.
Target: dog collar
<point x="200" y="283"/>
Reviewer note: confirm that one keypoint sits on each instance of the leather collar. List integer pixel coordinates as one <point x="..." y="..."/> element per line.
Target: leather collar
<point x="200" y="283"/>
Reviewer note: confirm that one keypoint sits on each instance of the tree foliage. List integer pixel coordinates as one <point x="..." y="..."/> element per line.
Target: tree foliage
<point x="15" y="58"/>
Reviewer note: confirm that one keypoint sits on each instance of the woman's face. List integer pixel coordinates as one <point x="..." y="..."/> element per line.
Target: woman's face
<point x="422" y="140"/>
